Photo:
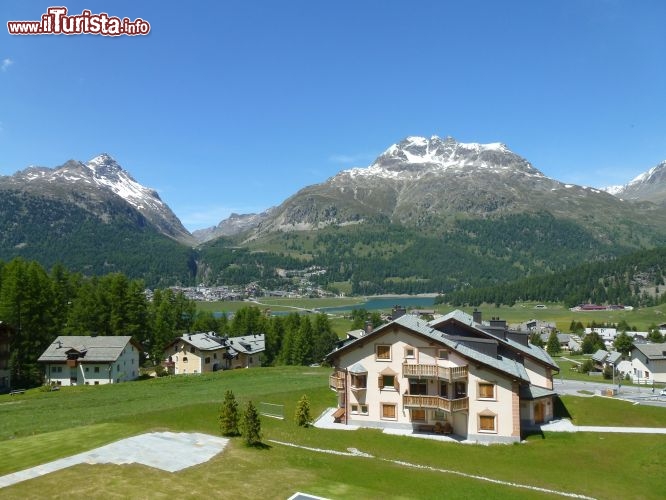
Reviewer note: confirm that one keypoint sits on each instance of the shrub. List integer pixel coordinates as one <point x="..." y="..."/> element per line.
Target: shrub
<point x="302" y="416"/>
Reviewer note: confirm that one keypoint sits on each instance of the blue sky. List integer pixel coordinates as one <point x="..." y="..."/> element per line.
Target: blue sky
<point x="232" y="106"/>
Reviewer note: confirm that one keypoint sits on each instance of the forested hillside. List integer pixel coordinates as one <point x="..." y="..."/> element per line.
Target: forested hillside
<point x="636" y="279"/>
<point x="52" y="231"/>
<point x="39" y="305"/>
<point x="391" y="258"/>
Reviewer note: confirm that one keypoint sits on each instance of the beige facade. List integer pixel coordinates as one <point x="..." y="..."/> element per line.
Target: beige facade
<point x="408" y="375"/>
<point x="208" y="352"/>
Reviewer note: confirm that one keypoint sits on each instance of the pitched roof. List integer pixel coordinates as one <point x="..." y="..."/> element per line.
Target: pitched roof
<point x="529" y="349"/>
<point x="652" y="351"/>
<point x="211" y="341"/>
<point x="422" y="327"/>
<point x="534" y="392"/>
<point x="91" y="349"/>
<point x="248" y="344"/>
<point x="614" y="357"/>
<point x="600" y="355"/>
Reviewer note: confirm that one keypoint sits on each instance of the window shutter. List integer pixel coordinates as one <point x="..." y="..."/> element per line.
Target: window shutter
<point x="396" y="384"/>
<point x="380" y="381"/>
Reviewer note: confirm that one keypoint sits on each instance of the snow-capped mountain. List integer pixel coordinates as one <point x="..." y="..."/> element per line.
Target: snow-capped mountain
<point x="423" y="181"/>
<point x="90" y="184"/>
<point x="416" y="157"/>
<point x="648" y="186"/>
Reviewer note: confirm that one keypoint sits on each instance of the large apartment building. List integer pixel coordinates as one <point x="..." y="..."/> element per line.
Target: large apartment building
<point x="454" y="374"/>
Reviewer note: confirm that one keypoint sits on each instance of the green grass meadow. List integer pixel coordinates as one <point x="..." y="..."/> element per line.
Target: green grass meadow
<point x="38" y="427"/>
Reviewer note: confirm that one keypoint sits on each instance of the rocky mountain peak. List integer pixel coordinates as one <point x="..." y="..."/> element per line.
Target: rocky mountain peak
<point x="415" y="156"/>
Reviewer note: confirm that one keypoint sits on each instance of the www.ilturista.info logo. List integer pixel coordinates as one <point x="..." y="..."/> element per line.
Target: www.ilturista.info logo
<point x="57" y="22"/>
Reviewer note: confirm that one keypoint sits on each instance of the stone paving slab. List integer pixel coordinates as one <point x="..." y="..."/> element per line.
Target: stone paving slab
<point x="167" y="451"/>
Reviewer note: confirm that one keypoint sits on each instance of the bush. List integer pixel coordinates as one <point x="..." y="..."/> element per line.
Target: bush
<point x="586" y="366"/>
<point x="302" y="416"/>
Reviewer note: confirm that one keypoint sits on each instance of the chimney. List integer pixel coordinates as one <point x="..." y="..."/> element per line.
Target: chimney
<point x="368" y="327"/>
<point x="476" y="316"/>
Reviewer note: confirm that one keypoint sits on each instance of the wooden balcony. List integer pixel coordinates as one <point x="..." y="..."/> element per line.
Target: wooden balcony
<point x="336" y="381"/>
<point x="435" y="403"/>
<point x="434" y="371"/>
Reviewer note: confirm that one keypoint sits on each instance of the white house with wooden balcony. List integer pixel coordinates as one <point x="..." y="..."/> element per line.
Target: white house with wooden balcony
<point x="454" y="374"/>
<point x="87" y="360"/>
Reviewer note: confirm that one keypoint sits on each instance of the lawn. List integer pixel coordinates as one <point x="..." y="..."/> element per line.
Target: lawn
<point x="640" y="318"/>
<point x="39" y="427"/>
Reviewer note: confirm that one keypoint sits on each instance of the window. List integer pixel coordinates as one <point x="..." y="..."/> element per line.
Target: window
<point x="460" y="389"/>
<point x="383" y="352"/>
<point x="354" y="409"/>
<point x="86" y="369"/>
<point x="444" y="389"/>
<point x="207" y="360"/>
<point x="387" y="381"/>
<point x="184" y="359"/>
<point x="486" y="390"/>
<point x="418" y="387"/>
<point x="96" y="382"/>
<point x="443" y="354"/>
<point x="364" y="409"/>
<point x="359" y="381"/>
<point x="214" y="355"/>
<point x="409" y="353"/>
<point x="388" y="411"/>
<point x="439" y="415"/>
<point x="418" y="415"/>
<point x="487" y="423"/>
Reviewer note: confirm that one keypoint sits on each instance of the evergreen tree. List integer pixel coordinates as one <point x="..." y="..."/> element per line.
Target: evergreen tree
<point x="251" y="425"/>
<point x="302" y="416"/>
<point x="325" y="338"/>
<point x="302" y="352"/>
<point x="535" y="339"/>
<point x="553" y="346"/>
<point x="229" y="417"/>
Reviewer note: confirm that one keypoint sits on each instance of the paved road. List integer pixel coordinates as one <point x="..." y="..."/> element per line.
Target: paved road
<point x="636" y="394"/>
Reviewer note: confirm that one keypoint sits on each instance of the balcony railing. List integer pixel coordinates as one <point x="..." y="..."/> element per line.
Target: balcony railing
<point x="336" y="381"/>
<point x="434" y="371"/>
<point x="435" y="402"/>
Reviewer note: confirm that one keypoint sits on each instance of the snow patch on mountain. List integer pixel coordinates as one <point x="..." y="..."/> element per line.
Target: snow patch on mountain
<point x="416" y="157"/>
<point x="108" y="174"/>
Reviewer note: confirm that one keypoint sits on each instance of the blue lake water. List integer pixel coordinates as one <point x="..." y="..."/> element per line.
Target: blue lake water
<point x="372" y="304"/>
<point x="379" y="303"/>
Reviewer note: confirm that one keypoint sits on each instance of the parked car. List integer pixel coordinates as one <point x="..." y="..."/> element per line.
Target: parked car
<point x="662" y="392"/>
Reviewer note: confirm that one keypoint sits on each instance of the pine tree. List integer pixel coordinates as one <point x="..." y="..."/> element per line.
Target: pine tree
<point x="251" y="425"/>
<point x="229" y="415"/>
<point x="302" y="416"/>
<point x="553" y="346"/>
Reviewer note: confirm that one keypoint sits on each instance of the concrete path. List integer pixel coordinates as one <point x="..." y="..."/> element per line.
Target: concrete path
<point x="565" y="425"/>
<point x="167" y="451"/>
<point x="325" y="421"/>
